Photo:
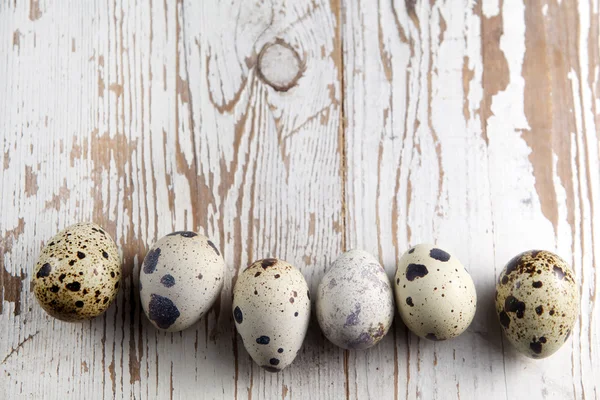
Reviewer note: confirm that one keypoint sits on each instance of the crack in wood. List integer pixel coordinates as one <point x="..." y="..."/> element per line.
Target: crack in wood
<point x="16" y="349"/>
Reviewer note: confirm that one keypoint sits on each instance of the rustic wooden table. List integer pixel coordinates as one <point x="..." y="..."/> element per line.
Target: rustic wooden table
<point x="297" y="129"/>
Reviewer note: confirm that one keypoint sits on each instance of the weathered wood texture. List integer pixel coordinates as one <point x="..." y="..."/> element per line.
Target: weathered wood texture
<point x="297" y="129"/>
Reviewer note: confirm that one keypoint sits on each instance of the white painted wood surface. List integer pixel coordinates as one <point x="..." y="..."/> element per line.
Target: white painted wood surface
<point x="473" y="124"/>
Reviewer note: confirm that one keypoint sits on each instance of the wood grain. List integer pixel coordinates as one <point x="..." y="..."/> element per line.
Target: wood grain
<point x="469" y="123"/>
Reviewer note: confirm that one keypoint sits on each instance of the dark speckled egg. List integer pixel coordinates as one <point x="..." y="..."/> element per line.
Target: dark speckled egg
<point x="77" y="274"/>
<point x="180" y="279"/>
<point x="271" y="309"/>
<point x="435" y="294"/>
<point x="537" y="302"/>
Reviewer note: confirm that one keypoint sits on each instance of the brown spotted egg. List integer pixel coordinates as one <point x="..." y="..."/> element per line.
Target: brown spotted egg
<point x="537" y="302"/>
<point x="77" y="274"/>
<point x="271" y="309"/>
<point x="435" y="294"/>
<point x="181" y="277"/>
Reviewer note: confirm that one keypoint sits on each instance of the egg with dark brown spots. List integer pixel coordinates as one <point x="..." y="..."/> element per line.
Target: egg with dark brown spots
<point x="355" y="301"/>
<point x="435" y="294"/>
<point x="78" y="272"/>
<point x="180" y="279"/>
<point x="271" y="310"/>
<point x="537" y="302"/>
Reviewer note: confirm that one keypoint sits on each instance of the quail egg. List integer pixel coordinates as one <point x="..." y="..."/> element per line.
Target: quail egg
<point x="537" y="302"/>
<point x="271" y="309"/>
<point x="355" y="301"/>
<point x="435" y="294"/>
<point x="181" y="277"/>
<point x="77" y="274"/>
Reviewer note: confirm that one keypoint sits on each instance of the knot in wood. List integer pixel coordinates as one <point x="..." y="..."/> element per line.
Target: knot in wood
<point x="279" y="65"/>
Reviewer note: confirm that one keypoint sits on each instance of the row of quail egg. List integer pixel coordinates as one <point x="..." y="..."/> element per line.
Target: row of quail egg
<point x="78" y="273"/>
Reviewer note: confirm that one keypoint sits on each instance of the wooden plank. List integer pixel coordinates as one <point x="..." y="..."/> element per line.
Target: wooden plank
<point x="474" y="125"/>
<point x="272" y="161"/>
<point x="297" y="129"/>
<point x="153" y="118"/>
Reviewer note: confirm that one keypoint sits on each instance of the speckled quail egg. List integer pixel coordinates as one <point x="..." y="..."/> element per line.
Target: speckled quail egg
<point x="181" y="277"/>
<point x="77" y="274"/>
<point x="355" y="302"/>
<point x="537" y="302"/>
<point x="434" y="293"/>
<point x="271" y="309"/>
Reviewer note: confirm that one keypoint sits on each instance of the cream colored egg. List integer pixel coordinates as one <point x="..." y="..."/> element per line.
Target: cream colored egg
<point x="435" y="294"/>
<point x="180" y="279"/>
<point x="271" y="309"/>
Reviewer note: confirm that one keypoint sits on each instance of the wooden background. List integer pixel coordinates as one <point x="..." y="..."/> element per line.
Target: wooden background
<point x="471" y="123"/>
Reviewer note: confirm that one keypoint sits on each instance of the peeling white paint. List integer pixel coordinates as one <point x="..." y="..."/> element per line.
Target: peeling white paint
<point x="490" y="8"/>
<point x="109" y="136"/>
